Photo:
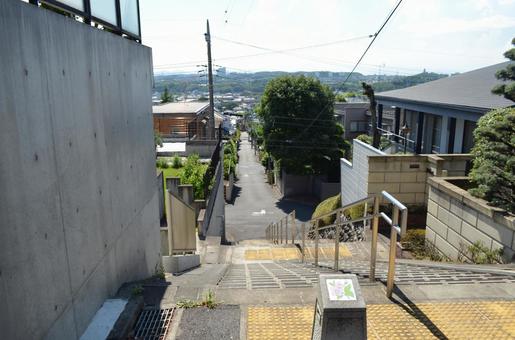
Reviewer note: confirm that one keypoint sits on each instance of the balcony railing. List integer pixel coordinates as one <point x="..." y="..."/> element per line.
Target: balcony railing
<point x="121" y="17"/>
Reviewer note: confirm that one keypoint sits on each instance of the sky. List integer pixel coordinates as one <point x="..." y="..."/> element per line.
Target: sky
<point x="444" y="36"/>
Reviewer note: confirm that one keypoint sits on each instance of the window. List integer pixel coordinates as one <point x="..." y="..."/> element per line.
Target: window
<point x="358" y="126"/>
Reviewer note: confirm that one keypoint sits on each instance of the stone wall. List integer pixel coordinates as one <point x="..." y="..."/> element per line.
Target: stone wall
<point x="456" y="219"/>
<point x="78" y="203"/>
<point x="403" y="176"/>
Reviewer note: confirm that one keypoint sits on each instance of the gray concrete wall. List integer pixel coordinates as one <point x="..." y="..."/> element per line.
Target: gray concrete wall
<point x="78" y="200"/>
<point x="354" y="175"/>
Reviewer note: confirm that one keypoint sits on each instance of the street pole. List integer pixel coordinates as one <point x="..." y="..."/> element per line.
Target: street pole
<point x="211" y="122"/>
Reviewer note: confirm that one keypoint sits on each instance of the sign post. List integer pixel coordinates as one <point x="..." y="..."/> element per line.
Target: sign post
<point x="340" y="311"/>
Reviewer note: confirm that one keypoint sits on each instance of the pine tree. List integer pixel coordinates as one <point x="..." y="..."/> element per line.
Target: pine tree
<point x="166" y="97"/>
<point x="507" y="74"/>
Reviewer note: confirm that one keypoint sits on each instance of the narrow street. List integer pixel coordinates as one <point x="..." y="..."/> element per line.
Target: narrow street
<point x="255" y="203"/>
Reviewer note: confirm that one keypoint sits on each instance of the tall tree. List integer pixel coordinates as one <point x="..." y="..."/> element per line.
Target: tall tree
<point x="299" y="127"/>
<point x="507" y="74"/>
<point x="369" y="92"/>
<point x="166" y="96"/>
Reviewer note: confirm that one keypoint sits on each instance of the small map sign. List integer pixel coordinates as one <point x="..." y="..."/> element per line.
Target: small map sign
<point x="340" y="290"/>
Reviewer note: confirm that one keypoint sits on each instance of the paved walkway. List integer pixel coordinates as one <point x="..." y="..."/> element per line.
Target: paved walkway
<point x="256" y="204"/>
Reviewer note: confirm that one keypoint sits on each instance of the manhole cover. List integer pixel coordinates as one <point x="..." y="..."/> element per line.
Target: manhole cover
<point x="153" y="324"/>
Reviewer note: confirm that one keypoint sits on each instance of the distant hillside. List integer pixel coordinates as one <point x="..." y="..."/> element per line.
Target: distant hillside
<point x="254" y="83"/>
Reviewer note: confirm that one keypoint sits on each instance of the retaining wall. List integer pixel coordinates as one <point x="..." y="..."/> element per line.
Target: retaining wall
<point x="78" y="200"/>
<point x="456" y="219"/>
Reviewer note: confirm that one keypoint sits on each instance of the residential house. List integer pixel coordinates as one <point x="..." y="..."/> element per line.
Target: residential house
<point x="442" y="114"/>
<point x="183" y="120"/>
<point x="355" y="118"/>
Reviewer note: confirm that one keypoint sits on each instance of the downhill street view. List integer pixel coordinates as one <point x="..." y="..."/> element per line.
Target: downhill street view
<point x="257" y="169"/>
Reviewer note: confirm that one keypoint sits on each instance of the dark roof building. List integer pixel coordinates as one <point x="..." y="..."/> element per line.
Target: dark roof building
<point x="442" y="114"/>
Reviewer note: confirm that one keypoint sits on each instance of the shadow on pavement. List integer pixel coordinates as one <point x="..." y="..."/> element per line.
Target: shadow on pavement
<point x="412" y="309"/>
<point x="303" y="211"/>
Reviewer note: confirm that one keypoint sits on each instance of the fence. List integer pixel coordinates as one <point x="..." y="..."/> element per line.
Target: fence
<point x="278" y="233"/>
<point x="122" y="17"/>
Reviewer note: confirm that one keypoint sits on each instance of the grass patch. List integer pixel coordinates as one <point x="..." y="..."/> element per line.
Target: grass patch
<point x="208" y="301"/>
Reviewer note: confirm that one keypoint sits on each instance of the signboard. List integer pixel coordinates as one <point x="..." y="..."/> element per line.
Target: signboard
<point x="340" y="290"/>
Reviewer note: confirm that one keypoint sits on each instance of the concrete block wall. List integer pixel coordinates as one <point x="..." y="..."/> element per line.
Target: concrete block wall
<point x="78" y="204"/>
<point x="354" y="175"/>
<point x="403" y="176"/>
<point x="456" y="219"/>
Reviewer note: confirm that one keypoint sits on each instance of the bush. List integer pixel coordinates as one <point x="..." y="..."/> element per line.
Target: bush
<point x="480" y="254"/>
<point x="176" y="162"/>
<point x="493" y="170"/>
<point x="330" y="204"/>
<point x="193" y="173"/>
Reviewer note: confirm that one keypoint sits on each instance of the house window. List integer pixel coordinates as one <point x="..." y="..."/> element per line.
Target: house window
<point x="468" y="136"/>
<point x="436" y="135"/>
<point x="358" y="126"/>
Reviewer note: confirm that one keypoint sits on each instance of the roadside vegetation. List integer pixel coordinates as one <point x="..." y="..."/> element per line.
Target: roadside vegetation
<point x="231" y="155"/>
<point x="190" y="171"/>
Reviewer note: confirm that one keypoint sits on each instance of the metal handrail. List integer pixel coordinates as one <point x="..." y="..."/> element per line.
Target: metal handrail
<point x="275" y="231"/>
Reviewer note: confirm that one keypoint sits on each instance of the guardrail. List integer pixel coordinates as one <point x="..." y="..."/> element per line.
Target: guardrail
<point x="278" y="232"/>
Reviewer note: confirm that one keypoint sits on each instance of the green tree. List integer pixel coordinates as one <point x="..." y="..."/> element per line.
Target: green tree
<point x="507" y="74"/>
<point x="166" y="97"/>
<point x="340" y="98"/>
<point x="299" y="127"/>
<point x="493" y="170"/>
<point x="193" y="173"/>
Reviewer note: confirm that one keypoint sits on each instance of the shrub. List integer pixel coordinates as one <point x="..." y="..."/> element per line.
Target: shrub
<point x="330" y="204"/>
<point x="176" y="162"/>
<point x="480" y="254"/>
<point x="193" y="173"/>
<point x="493" y="170"/>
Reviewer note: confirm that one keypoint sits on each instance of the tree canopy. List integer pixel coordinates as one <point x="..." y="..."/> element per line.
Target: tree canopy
<point x="299" y="127"/>
<point x="493" y="171"/>
<point x="507" y="74"/>
<point x="166" y="97"/>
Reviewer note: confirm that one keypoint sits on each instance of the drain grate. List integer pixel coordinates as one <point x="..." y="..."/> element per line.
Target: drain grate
<point x="153" y="324"/>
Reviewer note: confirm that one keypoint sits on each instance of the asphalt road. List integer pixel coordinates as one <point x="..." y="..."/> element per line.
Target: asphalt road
<point x="255" y="203"/>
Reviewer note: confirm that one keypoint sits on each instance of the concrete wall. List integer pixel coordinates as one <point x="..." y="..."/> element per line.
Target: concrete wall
<point x="456" y="219"/>
<point x="214" y="223"/>
<point x="354" y="175"/>
<point x="78" y="202"/>
<point x="160" y="194"/>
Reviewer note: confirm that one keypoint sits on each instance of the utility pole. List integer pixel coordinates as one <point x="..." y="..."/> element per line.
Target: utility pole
<point x="211" y="122"/>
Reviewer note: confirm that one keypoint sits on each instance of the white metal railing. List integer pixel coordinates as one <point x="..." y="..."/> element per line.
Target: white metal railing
<point x="280" y="231"/>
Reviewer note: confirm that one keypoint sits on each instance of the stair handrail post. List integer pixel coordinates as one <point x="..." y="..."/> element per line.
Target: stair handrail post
<point x="317" y="236"/>
<point x="286" y="228"/>
<point x="375" y="228"/>
<point x="293" y="227"/>
<point x="339" y="221"/>
<point x="281" y="231"/>
<point x="303" y="231"/>
<point x="392" y="253"/>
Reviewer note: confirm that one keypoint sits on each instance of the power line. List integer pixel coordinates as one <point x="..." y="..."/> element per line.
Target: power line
<point x="373" y="39"/>
<point x="361" y="58"/>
